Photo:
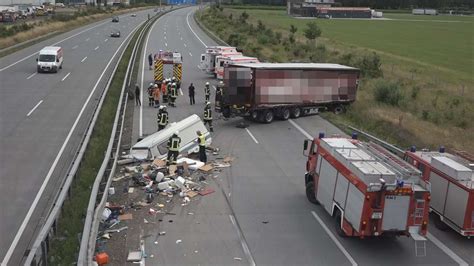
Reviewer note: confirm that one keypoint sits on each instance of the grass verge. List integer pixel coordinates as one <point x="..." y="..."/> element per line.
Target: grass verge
<point x="434" y="104"/>
<point x="65" y="245"/>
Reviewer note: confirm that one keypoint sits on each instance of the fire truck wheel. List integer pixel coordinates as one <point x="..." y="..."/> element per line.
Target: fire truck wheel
<point x="268" y="116"/>
<point x="338" y="228"/>
<point x="296" y="112"/>
<point x="310" y="193"/>
<point x="440" y="224"/>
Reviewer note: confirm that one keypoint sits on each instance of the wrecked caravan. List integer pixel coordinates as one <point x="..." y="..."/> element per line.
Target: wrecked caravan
<point x="155" y="145"/>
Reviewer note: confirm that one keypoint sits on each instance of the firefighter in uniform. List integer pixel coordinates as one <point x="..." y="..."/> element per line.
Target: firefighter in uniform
<point x="168" y="89"/>
<point x="173" y="148"/>
<point x="218" y="98"/>
<point x="150" y="94"/>
<point x="162" y="118"/>
<point x="202" y="147"/>
<point x="163" y="89"/>
<point x="208" y="116"/>
<point x="174" y="94"/>
<point x="207" y="91"/>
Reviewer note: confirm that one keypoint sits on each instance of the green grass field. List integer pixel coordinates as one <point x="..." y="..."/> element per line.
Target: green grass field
<point x="444" y="42"/>
<point x="430" y="58"/>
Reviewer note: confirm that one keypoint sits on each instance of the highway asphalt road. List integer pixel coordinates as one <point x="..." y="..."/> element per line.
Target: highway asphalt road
<point x="42" y="119"/>
<point x="264" y="184"/>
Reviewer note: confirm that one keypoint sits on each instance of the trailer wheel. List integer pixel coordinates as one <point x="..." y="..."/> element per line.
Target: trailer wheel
<point x="296" y="112"/>
<point x="338" y="224"/>
<point x="440" y="224"/>
<point x="310" y="193"/>
<point x="268" y="116"/>
<point x="339" y="109"/>
<point x="285" y="114"/>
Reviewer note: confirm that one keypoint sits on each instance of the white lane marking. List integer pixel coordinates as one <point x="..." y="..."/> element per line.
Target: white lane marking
<point x="106" y="40"/>
<point x="181" y="38"/>
<point x="333" y="237"/>
<point x="187" y="20"/>
<point x="97" y="33"/>
<point x="165" y="37"/>
<point x="140" y="128"/>
<point x="446" y="250"/>
<point x="34" y="108"/>
<point x="30" y="76"/>
<point x="185" y="45"/>
<point x="190" y="54"/>
<point x="20" y="231"/>
<point x="306" y="134"/>
<point x="83" y="59"/>
<point x="65" y="77"/>
<point x="245" y="247"/>
<point x="251" y="135"/>
<point x="74" y="47"/>
<point x="88" y="39"/>
<point x="58" y="42"/>
<point x="181" y="91"/>
<point x="213" y="86"/>
<point x="96" y="48"/>
<point x="166" y="44"/>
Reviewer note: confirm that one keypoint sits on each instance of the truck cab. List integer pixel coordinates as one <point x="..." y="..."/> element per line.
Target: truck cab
<point x="50" y="59"/>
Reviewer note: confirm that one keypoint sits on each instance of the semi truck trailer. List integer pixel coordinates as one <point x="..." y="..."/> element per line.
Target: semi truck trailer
<point x="263" y="91"/>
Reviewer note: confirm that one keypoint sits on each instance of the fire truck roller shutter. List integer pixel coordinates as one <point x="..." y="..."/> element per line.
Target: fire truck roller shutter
<point x="395" y="212"/>
<point x="326" y="183"/>
<point x="456" y="204"/>
<point x="354" y="206"/>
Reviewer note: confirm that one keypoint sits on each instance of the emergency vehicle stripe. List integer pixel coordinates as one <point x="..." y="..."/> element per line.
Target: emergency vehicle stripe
<point x="177" y="71"/>
<point x="158" y="73"/>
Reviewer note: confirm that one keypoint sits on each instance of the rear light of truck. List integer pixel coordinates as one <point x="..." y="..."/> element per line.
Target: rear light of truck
<point x="363" y="226"/>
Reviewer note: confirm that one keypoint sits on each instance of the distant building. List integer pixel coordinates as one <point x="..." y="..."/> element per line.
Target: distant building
<point x="25" y="2"/>
<point x="306" y="8"/>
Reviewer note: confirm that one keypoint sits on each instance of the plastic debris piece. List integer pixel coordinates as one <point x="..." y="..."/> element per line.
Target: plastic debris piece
<point x="134" y="256"/>
<point x="145" y="221"/>
<point x="178" y="241"/>
<point x="162" y="233"/>
<point x="237" y="258"/>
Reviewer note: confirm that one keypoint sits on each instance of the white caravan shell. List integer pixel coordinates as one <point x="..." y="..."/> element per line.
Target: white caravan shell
<point x="155" y="145"/>
<point x="50" y="59"/>
<point x="208" y="60"/>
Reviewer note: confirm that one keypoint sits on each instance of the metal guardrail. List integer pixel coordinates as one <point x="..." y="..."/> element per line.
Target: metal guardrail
<point x="39" y="250"/>
<point x="108" y="167"/>
<point x="387" y="145"/>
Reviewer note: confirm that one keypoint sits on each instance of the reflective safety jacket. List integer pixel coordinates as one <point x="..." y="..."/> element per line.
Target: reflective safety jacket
<point x="202" y="140"/>
<point x="207" y="90"/>
<point x="174" y="142"/>
<point x="163" y="118"/>
<point x="174" y="92"/>
<point x="207" y="114"/>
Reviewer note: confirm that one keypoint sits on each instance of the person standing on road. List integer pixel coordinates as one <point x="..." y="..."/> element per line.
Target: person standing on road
<point x="218" y="98"/>
<point x="150" y="94"/>
<point x="137" y="95"/>
<point x="208" y="116"/>
<point x="202" y="147"/>
<point x="173" y="148"/>
<point x="163" y="89"/>
<point x="174" y="95"/>
<point x="150" y="61"/>
<point x="207" y="91"/>
<point x="156" y="96"/>
<point x="162" y="118"/>
<point x="191" y="94"/>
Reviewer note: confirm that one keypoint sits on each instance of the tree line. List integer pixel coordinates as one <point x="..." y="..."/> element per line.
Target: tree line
<point x="381" y="4"/>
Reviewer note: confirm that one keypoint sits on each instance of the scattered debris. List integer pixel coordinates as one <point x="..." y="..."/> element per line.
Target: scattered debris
<point x="134" y="256"/>
<point x="237" y="258"/>
<point x="145" y="221"/>
<point x="206" y="168"/>
<point x="190" y="213"/>
<point x="125" y="217"/>
<point x="178" y="241"/>
<point x="116" y="230"/>
<point x="125" y="161"/>
<point x="162" y="233"/>
<point x="131" y="189"/>
<point x="265" y="222"/>
<point x="191" y="194"/>
<point x="206" y="191"/>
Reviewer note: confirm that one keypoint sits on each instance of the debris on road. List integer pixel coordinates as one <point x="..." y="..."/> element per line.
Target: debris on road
<point x="178" y="241"/>
<point x="134" y="256"/>
<point x="237" y="258"/>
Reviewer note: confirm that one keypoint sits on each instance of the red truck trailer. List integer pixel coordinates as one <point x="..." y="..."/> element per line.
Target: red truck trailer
<point x="452" y="188"/>
<point x="368" y="190"/>
<point x="263" y="91"/>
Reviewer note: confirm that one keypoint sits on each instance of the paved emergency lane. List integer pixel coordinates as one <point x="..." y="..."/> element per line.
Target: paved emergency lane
<point x="37" y="114"/>
<point x="265" y="183"/>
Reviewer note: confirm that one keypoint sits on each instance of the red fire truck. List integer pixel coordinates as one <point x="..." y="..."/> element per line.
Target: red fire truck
<point x="452" y="187"/>
<point x="368" y="190"/>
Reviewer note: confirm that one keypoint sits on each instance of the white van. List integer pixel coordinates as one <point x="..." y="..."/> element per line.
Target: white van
<point x="50" y="59"/>
<point x="155" y="145"/>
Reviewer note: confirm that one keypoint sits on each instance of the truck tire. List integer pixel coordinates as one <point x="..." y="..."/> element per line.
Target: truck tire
<point x="268" y="116"/>
<point x="337" y="219"/>
<point x="339" y="109"/>
<point x="285" y="114"/>
<point x="254" y="115"/>
<point x="310" y="193"/>
<point x="440" y="224"/>
<point x="296" y="112"/>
